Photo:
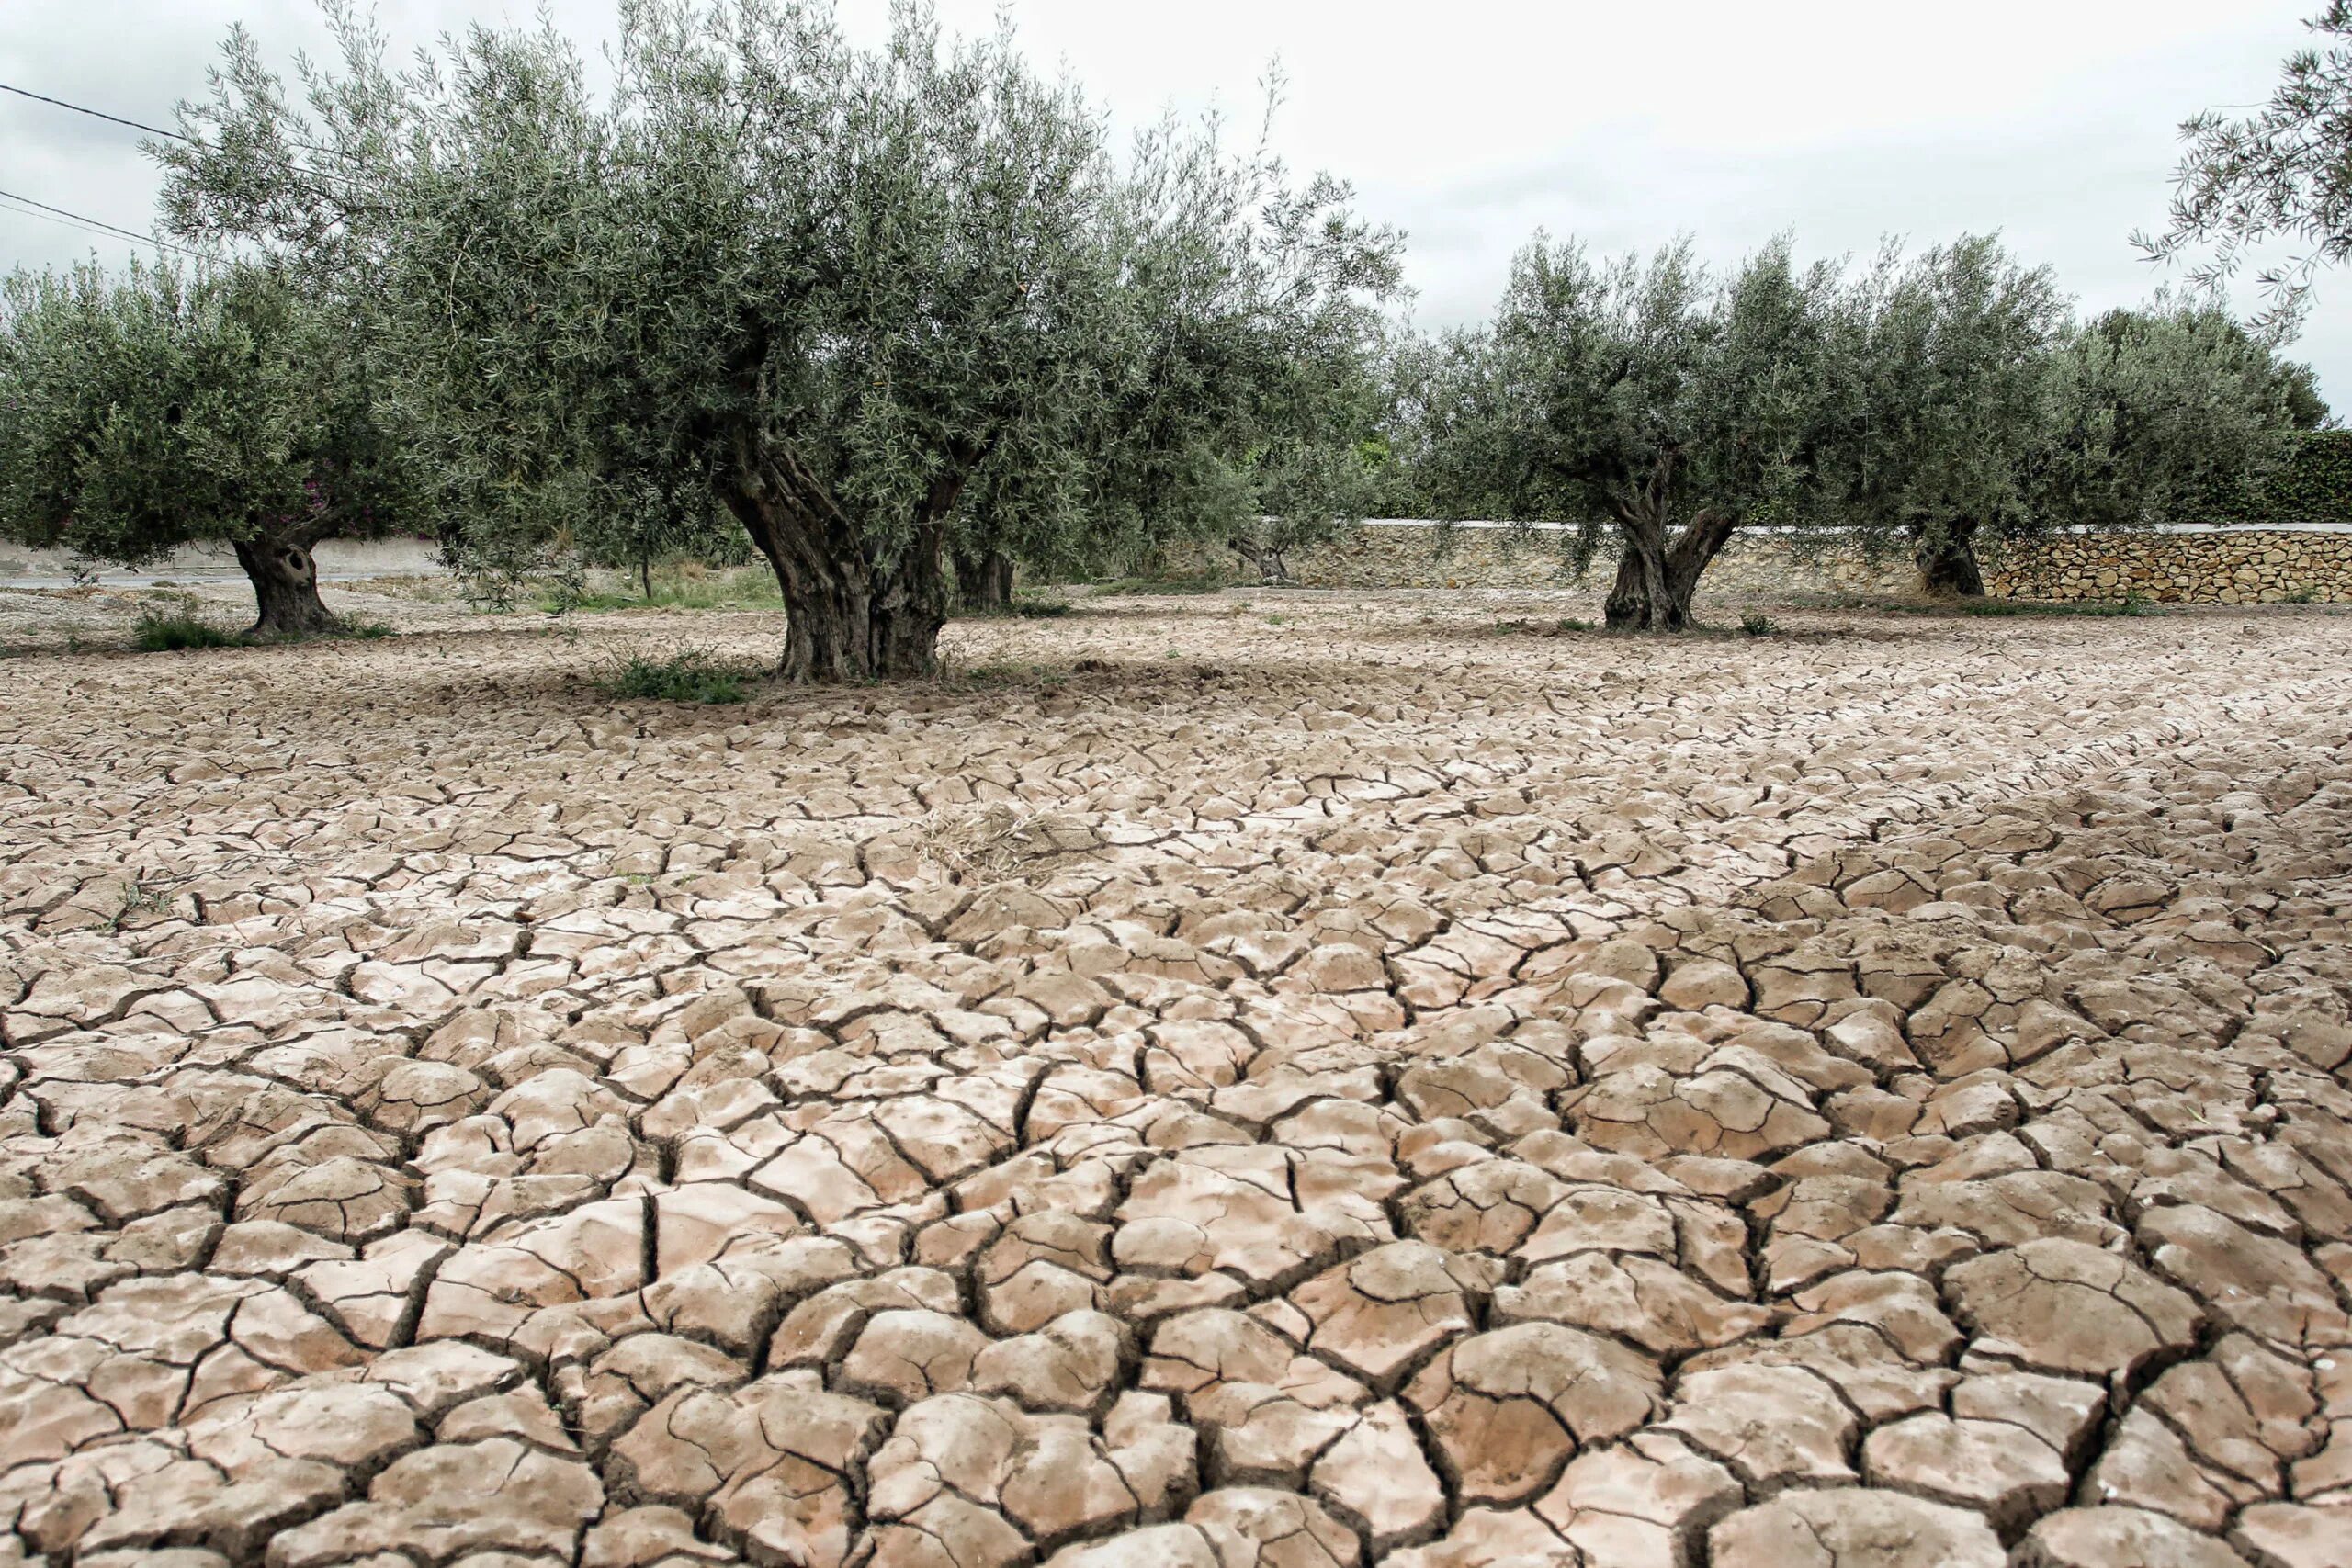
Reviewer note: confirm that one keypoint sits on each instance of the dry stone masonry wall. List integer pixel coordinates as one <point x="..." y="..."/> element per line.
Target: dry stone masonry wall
<point x="2221" y="566"/>
<point x="1347" y="1089"/>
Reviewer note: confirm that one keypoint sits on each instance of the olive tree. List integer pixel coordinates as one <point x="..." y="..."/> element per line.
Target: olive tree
<point x="631" y="532"/>
<point x="1652" y="404"/>
<point x="2158" y="412"/>
<point x="841" y="289"/>
<point x="1951" y="404"/>
<point x="1983" y="411"/>
<point x="169" y="407"/>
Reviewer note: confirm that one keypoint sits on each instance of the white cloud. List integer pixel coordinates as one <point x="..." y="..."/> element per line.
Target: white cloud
<point x="1468" y="124"/>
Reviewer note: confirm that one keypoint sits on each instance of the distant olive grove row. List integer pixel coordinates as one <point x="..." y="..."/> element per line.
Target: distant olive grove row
<point x="895" y="318"/>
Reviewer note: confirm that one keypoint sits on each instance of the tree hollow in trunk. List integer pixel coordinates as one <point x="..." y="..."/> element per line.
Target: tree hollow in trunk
<point x="286" y="588"/>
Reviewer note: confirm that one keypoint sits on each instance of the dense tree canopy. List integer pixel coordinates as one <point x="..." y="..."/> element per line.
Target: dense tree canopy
<point x="1986" y="411"/>
<point x="1239" y="373"/>
<point x="2158" y="412"/>
<point x="839" y="289"/>
<point x="170" y="407"/>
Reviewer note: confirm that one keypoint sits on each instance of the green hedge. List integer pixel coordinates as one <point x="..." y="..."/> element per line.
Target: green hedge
<point x="2314" y="487"/>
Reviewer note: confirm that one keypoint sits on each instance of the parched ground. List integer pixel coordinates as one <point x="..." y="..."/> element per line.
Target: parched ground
<point x="1204" y="1087"/>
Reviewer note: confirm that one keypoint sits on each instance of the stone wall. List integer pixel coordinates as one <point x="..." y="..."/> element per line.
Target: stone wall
<point x="2237" y="566"/>
<point x="2200" y="566"/>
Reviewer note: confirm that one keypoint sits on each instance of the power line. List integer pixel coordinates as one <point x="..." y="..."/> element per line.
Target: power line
<point x="177" y="136"/>
<point x="100" y="226"/>
<point x="94" y="225"/>
<point x="95" y="114"/>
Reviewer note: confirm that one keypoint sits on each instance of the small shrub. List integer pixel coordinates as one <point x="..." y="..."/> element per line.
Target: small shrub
<point x="1567" y="624"/>
<point x="1758" y="625"/>
<point x="140" y="901"/>
<point x="691" y="675"/>
<point x="1038" y="609"/>
<point x="171" y="628"/>
<point x="367" y="631"/>
<point x="2129" y="605"/>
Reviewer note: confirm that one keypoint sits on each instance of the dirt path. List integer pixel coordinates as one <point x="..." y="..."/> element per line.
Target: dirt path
<point x="1324" y="1082"/>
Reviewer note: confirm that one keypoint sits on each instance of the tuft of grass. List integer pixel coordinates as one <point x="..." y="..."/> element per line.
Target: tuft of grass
<point x="690" y="675"/>
<point x="176" y="627"/>
<point x="1561" y="627"/>
<point x="1038" y="609"/>
<point x="1205" y="582"/>
<point x="2129" y="605"/>
<point x="1756" y="623"/>
<point x="367" y="631"/>
<point x="688" y="587"/>
<point x="139" y="901"/>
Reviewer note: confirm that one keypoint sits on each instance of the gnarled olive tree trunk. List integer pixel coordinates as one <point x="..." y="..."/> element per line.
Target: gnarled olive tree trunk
<point x="852" y="612"/>
<point x="1947" y="561"/>
<point x="1266" y="560"/>
<point x="286" y="588"/>
<point x="1658" y="576"/>
<point x="983" y="580"/>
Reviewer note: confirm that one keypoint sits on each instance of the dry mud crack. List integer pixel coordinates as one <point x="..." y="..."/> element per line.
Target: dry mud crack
<point x="1360" y="1089"/>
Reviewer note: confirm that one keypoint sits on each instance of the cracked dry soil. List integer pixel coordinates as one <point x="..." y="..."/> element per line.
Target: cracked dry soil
<point x="1360" y="1089"/>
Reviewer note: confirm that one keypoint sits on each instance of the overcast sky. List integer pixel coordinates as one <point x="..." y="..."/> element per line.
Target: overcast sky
<point x="1468" y="123"/>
